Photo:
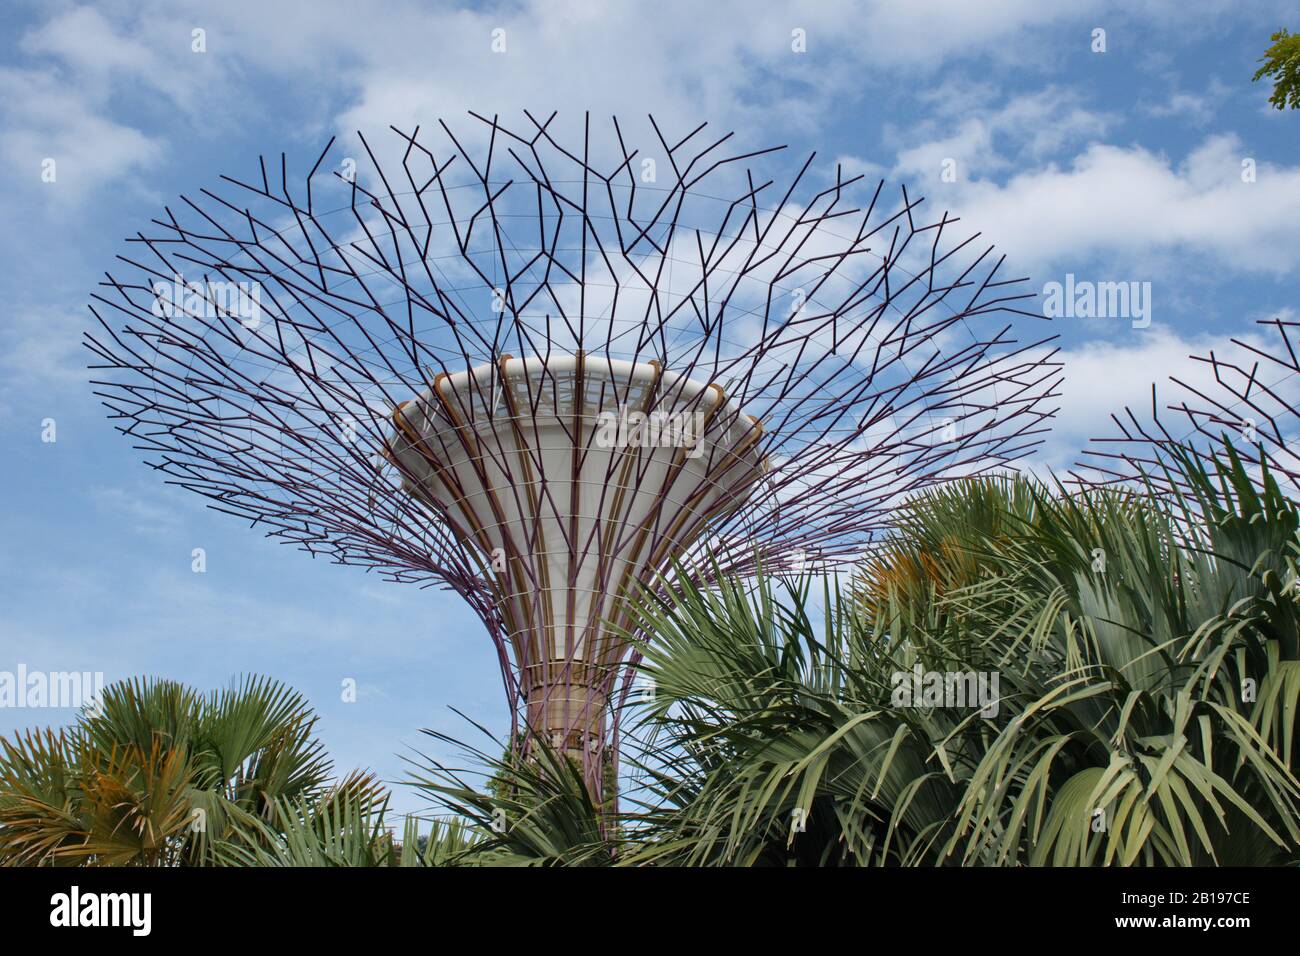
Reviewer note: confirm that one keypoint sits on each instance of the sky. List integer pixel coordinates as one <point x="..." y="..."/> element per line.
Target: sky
<point x="1109" y="157"/>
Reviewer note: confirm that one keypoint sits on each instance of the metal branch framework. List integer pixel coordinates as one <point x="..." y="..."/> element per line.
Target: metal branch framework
<point x="454" y="362"/>
<point x="1251" y="398"/>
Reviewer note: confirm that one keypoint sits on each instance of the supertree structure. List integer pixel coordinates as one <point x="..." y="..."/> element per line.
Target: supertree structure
<point x="549" y="374"/>
<point x="1248" y="395"/>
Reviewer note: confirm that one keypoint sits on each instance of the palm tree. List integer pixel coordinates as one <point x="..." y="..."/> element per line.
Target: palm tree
<point x="349" y="831"/>
<point x="1148" y="677"/>
<point x="157" y="774"/>
<point x="535" y="810"/>
<point x="1142" y="652"/>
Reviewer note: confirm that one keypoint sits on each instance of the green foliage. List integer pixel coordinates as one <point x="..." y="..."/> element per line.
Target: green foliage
<point x="159" y="775"/>
<point x="347" y="829"/>
<point x="1147" y="658"/>
<point x="1147" y="655"/>
<point x="535" y="811"/>
<point x="1282" y="63"/>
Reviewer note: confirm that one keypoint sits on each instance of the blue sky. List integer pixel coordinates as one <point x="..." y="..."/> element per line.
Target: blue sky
<point x="1116" y="166"/>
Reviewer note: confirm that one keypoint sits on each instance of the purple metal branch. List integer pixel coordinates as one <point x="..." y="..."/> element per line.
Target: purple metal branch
<point x="332" y="362"/>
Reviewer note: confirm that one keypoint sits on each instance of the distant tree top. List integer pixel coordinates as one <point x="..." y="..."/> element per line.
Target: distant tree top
<point x="1282" y="62"/>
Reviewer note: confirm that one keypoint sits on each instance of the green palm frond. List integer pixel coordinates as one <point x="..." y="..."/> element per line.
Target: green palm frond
<point x="156" y="774"/>
<point x="538" y="810"/>
<point x="1146" y="651"/>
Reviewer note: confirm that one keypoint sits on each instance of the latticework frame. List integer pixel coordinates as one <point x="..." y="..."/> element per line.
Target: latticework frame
<point x="859" y="354"/>
<point x="1249" y="400"/>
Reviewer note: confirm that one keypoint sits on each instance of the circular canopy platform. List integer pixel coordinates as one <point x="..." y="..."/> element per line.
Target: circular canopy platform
<point x="576" y="482"/>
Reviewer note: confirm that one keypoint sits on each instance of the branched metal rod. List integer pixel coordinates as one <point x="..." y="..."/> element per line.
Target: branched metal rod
<point x="409" y="365"/>
<point x="1250" y="399"/>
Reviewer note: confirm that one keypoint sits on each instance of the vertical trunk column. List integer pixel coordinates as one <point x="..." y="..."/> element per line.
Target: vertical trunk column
<point x="568" y="712"/>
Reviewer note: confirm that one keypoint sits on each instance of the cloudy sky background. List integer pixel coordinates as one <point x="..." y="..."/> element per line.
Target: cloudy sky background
<point x="1116" y="166"/>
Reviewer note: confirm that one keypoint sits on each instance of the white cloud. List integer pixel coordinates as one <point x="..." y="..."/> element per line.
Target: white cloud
<point x="1131" y="205"/>
<point x="151" y="50"/>
<point x="47" y="118"/>
<point x="730" y="62"/>
<point x="86" y="42"/>
<point x="985" y="139"/>
<point x="1197" y="108"/>
<point x="1103" y="378"/>
<point x="41" y="350"/>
